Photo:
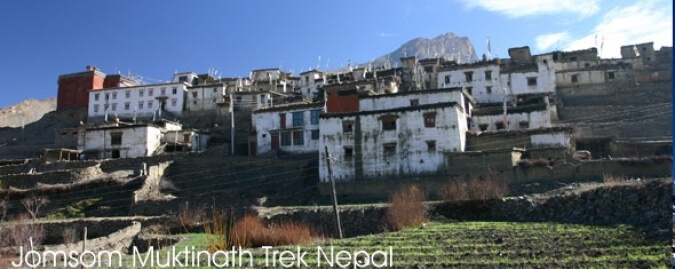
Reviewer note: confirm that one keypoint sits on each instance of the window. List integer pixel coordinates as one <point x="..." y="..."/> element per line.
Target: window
<point x="149" y="104"/>
<point x="347" y="126"/>
<point x="107" y="97"/>
<point x="282" y="120"/>
<point x="447" y="79"/>
<point x="499" y="125"/>
<point x="488" y="75"/>
<point x="349" y="152"/>
<point x="215" y="90"/>
<point x="524" y="124"/>
<point x="286" y="139"/>
<point x="182" y="79"/>
<point x="162" y="91"/>
<point x="415" y="102"/>
<point x="388" y="123"/>
<point x="610" y="75"/>
<point x="95" y="108"/>
<point x="63" y="134"/>
<point x="96" y="97"/>
<point x="315" y="134"/>
<point x="151" y="92"/>
<point x="298" y="119"/>
<point x="174" y="90"/>
<point x="74" y="133"/>
<point x="483" y="126"/>
<point x="531" y="81"/>
<point x="140" y="93"/>
<point x="194" y="94"/>
<point x="127" y="94"/>
<point x="314" y="117"/>
<point x="174" y="101"/>
<point x="106" y="107"/>
<point x="114" y="107"/>
<point x="430" y="119"/>
<point x="469" y="76"/>
<point x="575" y="78"/>
<point x="114" y="95"/>
<point x="140" y="105"/>
<point x="431" y="145"/>
<point x="127" y="105"/>
<point x="488" y="89"/>
<point x="115" y="138"/>
<point x="298" y="138"/>
<point x="389" y="148"/>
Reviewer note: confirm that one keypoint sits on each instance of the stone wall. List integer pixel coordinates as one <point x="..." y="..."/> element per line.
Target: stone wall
<point x="644" y="205"/>
<point x="27" y="181"/>
<point x="560" y="172"/>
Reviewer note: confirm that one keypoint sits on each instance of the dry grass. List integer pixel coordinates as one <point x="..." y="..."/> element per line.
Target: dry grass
<point x="407" y="208"/>
<point x="218" y="230"/>
<point x="475" y="189"/>
<point x="249" y="231"/>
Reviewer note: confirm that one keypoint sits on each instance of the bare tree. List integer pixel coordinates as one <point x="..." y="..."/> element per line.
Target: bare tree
<point x="33" y="204"/>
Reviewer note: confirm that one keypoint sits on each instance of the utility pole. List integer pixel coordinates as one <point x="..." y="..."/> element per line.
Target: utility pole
<point x="338" y="226"/>
<point x="232" y="115"/>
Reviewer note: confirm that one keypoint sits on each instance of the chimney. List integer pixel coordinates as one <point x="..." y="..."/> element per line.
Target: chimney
<point x="91" y="68"/>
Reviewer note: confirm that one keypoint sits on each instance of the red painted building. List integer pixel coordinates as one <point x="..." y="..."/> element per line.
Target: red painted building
<point x="74" y="88"/>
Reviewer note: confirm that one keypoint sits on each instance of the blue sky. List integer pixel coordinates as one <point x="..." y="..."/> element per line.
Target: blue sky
<point x="154" y="39"/>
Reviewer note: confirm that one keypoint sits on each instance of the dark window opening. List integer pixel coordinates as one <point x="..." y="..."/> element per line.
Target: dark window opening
<point x="611" y="75"/>
<point x="388" y="124"/>
<point x="298" y="119"/>
<point x="347" y="126"/>
<point x="315" y="134"/>
<point x="469" y="76"/>
<point x="488" y="89"/>
<point x="531" y="81"/>
<point x="499" y="125"/>
<point x="115" y="154"/>
<point x="524" y="124"/>
<point x="488" y="75"/>
<point x="389" y="148"/>
<point x="587" y="65"/>
<point x="575" y="78"/>
<point x="431" y="145"/>
<point x="298" y="138"/>
<point x="282" y="120"/>
<point x="349" y="152"/>
<point x="447" y="79"/>
<point x="285" y="139"/>
<point x="483" y="126"/>
<point x="116" y="139"/>
<point x="430" y="120"/>
<point x="414" y="102"/>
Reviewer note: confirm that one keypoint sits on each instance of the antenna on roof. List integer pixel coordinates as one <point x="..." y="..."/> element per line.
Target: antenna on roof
<point x="327" y="62"/>
<point x="318" y="64"/>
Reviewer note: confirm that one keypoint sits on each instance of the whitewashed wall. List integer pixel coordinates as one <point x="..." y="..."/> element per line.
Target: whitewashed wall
<point x="411" y="156"/>
<point x="557" y="139"/>
<point x="457" y="78"/>
<point x="205" y="97"/>
<point x="536" y="119"/>
<point x="382" y="102"/>
<point x="267" y="123"/>
<point x="144" y="104"/>
<point x="137" y="141"/>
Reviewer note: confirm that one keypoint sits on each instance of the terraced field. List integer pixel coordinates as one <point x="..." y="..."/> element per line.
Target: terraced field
<point x="489" y="245"/>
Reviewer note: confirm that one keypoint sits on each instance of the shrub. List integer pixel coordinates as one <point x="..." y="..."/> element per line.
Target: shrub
<point x="245" y="229"/>
<point x="475" y="189"/>
<point x="406" y="208"/>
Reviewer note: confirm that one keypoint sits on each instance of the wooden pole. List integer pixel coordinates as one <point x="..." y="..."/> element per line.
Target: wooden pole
<point x="338" y="226"/>
<point x="84" y="244"/>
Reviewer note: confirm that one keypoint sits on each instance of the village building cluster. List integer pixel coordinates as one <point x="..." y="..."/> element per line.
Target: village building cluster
<point x="373" y="121"/>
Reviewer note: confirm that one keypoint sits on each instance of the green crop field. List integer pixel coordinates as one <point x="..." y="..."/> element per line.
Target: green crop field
<point x="458" y="245"/>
